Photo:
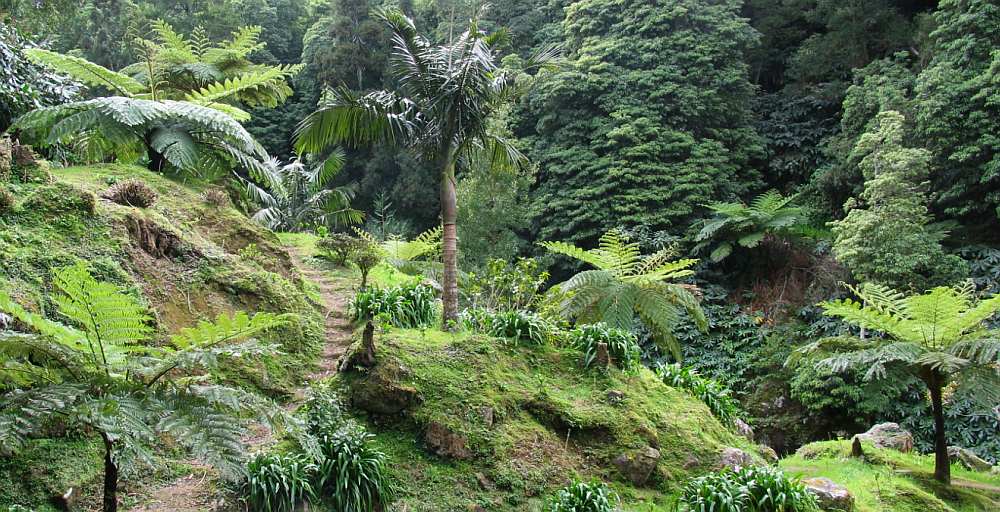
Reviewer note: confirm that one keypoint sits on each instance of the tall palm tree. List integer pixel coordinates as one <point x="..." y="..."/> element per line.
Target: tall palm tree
<point x="441" y="109"/>
<point x="939" y="336"/>
<point x="626" y="284"/>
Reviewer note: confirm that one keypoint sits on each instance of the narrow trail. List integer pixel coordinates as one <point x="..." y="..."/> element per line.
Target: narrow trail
<point x="197" y="491"/>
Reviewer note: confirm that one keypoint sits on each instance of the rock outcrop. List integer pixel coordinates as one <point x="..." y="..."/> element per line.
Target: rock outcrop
<point x="829" y="494"/>
<point x="888" y="435"/>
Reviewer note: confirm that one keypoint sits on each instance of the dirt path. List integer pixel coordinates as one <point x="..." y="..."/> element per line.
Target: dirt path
<point x="197" y="491"/>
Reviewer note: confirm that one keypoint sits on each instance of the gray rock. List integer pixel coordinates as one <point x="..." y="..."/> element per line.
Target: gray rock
<point x="830" y="495"/>
<point x="734" y="458"/>
<point x="888" y="435"/>
<point x="743" y="429"/>
<point x="637" y="466"/>
<point x="767" y="453"/>
<point x="968" y="459"/>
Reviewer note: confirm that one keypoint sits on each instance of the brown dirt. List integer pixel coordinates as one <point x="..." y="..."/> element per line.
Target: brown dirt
<point x="196" y="491"/>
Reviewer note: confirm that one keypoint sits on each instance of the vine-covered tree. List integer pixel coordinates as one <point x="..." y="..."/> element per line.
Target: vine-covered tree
<point x="940" y="337"/>
<point x="650" y="121"/>
<point x="886" y="239"/>
<point x="441" y="109"/>
<point x="96" y="372"/>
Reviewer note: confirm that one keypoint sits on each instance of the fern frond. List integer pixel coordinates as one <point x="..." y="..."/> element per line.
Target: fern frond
<point x="170" y="40"/>
<point x="228" y="329"/>
<point x="267" y="87"/>
<point x="86" y="71"/>
<point x="23" y="410"/>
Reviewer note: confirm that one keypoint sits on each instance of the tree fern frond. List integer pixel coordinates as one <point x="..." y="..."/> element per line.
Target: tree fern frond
<point x="227" y="329"/>
<point x="22" y="411"/>
<point x="86" y="71"/>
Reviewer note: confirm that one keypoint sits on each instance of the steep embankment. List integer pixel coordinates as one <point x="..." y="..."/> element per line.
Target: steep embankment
<point x="474" y="421"/>
<point x="187" y="256"/>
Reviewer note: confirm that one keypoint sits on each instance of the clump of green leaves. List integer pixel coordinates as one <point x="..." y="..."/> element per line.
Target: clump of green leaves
<point x="513" y="325"/>
<point x="352" y="472"/>
<point x="623" y="346"/>
<point x="337" y="247"/>
<point x="279" y="483"/>
<point x="366" y="256"/>
<point x="750" y="489"/>
<point x="401" y="306"/>
<point x="583" y="497"/>
<point x="769" y="216"/>
<point x="716" y="396"/>
<point x="507" y="287"/>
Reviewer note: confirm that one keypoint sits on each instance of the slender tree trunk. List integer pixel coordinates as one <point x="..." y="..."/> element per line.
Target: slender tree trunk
<point x="942" y="463"/>
<point x="449" y="242"/>
<point x="156" y="159"/>
<point x="110" y="478"/>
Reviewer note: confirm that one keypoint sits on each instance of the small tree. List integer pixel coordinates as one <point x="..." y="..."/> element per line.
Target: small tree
<point x="366" y="256"/>
<point x="626" y="284"/>
<point x="886" y="239"/>
<point x="939" y="337"/>
<point x="95" y="372"/>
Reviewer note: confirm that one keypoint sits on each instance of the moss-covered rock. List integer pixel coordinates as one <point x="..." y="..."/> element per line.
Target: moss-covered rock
<point x="526" y="420"/>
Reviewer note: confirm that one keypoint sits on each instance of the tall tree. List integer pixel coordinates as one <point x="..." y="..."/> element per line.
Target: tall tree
<point x="940" y="337"/>
<point x="886" y="239"/>
<point x="441" y="109"/>
<point x="650" y="121"/>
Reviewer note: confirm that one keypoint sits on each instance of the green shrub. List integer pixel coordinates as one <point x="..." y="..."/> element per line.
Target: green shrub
<point x="131" y="192"/>
<point x="512" y="325"/>
<point x="401" y="306"/>
<point x="7" y="201"/>
<point x="324" y="411"/>
<point x="623" y="346"/>
<point x="352" y="473"/>
<point x="505" y="287"/>
<point x="337" y="247"/>
<point x="279" y="483"/>
<point x="583" y="497"/>
<point x="716" y="396"/>
<point x="366" y="257"/>
<point x="751" y="489"/>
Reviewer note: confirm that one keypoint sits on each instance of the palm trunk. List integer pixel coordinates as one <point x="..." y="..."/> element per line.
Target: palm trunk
<point x="942" y="463"/>
<point x="110" y="478"/>
<point x="449" y="249"/>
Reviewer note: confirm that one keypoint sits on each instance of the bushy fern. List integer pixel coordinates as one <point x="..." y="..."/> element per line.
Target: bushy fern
<point x="627" y="284"/>
<point x="131" y="192"/>
<point x="739" y="224"/>
<point x="716" y="396"/>
<point x="96" y="371"/>
<point x="749" y="489"/>
<point x="623" y="346"/>
<point x="400" y="306"/>
<point x="513" y="325"/>
<point x="583" y="497"/>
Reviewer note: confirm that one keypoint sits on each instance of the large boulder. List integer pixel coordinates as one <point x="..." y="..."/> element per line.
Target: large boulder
<point x="968" y="459"/>
<point x="888" y="435"/>
<point x="743" y="429"/>
<point x="734" y="458"/>
<point x="768" y="453"/>
<point x="639" y="465"/>
<point x="829" y="494"/>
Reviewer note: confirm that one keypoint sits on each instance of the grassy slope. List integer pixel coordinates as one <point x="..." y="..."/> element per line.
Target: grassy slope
<point x="553" y="422"/>
<point x="203" y="275"/>
<point x="891" y="481"/>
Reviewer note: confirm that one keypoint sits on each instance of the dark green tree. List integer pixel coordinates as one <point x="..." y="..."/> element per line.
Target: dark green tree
<point x="649" y="121"/>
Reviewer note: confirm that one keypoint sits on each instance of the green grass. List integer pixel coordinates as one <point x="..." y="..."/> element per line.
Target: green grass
<point x="553" y="420"/>
<point x="887" y="480"/>
<point x="47" y="468"/>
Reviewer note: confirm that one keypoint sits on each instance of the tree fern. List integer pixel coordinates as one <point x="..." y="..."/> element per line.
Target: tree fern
<point x="741" y="225"/>
<point x="627" y="285"/>
<point x="96" y="371"/>
<point x="940" y="336"/>
<point x="87" y="72"/>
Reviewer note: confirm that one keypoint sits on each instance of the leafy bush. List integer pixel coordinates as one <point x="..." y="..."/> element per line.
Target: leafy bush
<point x="750" y="489"/>
<point x="623" y="346"/>
<point x="24" y="85"/>
<point x="366" y="257"/>
<point x="352" y="473"/>
<point x="278" y="483"/>
<point x="583" y="497"/>
<point x="131" y="192"/>
<point x="401" y="306"/>
<point x="506" y="287"/>
<point x="716" y="396"/>
<point x="337" y="247"/>
<point x="7" y="201"/>
<point x="513" y="325"/>
<point x="324" y="412"/>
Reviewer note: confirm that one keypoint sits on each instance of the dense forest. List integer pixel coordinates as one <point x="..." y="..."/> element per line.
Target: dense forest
<point x="554" y="255"/>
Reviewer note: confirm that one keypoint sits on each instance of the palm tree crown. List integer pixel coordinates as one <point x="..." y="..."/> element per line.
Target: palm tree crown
<point x="626" y="284"/>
